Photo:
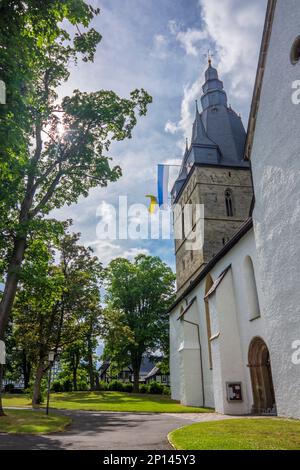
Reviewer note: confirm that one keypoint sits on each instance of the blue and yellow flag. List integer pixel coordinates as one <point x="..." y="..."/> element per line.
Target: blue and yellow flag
<point x="153" y="203"/>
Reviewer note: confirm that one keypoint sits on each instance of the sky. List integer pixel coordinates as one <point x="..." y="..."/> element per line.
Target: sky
<point x="160" y="45"/>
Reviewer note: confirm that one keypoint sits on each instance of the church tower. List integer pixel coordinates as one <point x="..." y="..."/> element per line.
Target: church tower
<point x="214" y="174"/>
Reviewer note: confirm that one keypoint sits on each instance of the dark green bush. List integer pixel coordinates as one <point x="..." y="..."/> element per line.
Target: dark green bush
<point x="144" y="388"/>
<point x="67" y="385"/>
<point x="156" y="388"/>
<point x="9" y="388"/>
<point x="115" y="386"/>
<point x="128" y="387"/>
<point x="103" y="386"/>
<point x="57" y="387"/>
<point x="167" y="391"/>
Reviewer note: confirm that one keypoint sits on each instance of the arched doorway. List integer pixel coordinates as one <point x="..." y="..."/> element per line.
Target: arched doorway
<point x="261" y="377"/>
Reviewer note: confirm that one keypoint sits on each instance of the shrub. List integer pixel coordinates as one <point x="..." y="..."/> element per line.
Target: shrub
<point x="67" y="385"/>
<point x="57" y="387"/>
<point x="144" y="388"/>
<point x="127" y="387"/>
<point x="9" y="388"/>
<point x="103" y="386"/>
<point x="167" y="391"/>
<point x="156" y="388"/>
<point x="116" y="386"/>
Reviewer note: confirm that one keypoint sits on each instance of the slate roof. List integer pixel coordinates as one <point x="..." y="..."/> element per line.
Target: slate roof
<point x="218" y="136"/>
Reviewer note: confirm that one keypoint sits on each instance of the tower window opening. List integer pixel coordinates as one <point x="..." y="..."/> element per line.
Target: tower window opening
<point x="295" y="51"/>
<point x="228" y="203"/>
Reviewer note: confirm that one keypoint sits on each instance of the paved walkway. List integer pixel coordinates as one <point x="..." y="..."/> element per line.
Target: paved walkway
<point x="109" y="431"/>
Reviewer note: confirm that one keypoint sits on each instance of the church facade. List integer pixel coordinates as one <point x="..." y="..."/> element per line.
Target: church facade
<point x="235" y="325"/>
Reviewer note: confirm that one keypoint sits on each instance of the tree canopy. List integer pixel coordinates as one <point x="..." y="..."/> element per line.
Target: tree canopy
<point x="135" y="320"/>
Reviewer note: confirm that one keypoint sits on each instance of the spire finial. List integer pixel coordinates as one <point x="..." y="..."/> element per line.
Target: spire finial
<point x="209" y="57"/>
<point x="186" y="144"/>
<point x="196" y="103"/>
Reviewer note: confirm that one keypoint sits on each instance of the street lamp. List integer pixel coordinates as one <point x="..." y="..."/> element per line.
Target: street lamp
<point x="51" y="357"/>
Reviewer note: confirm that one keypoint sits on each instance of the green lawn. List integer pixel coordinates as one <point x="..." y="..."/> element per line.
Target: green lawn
<point x="239" y="434"/>
<point x="108" y="401"/>
<point x="32" y="422"/>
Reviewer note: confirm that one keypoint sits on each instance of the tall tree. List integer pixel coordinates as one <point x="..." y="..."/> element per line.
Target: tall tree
<point x="43" y="169"/>
<point x="55" y="304"/>
<point x="135" y="320"/>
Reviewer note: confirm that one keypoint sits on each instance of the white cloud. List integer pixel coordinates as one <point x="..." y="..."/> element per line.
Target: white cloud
<point x="190" y="93"/>
<point x="189" y="40"/>
<point x="236" y="29"/>
<point x="107" y="250"/>
<point x="233" y="31"/>
<point x="171" y="127"/>
<point x="160" y="46"/>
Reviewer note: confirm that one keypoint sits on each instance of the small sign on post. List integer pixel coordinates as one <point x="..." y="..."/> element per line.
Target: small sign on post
<point x="2" y="352"/>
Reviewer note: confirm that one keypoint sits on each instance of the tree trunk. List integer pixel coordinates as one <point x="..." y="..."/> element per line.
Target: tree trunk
<point x="136" y="366"/>
<point x="136" y="383"/>
<point x="91" y="365"/>
<point x="97" y="382"/>
<point x="1" y="377"/>
<point x="91" y="372"/>
<point x="75" y="379"/>
<point x="26" y="368"/>
<point x="36" y="397"/>
<point x="11" y="284"/>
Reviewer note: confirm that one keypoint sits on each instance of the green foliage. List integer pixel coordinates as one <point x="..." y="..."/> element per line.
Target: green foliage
<point x="156" y="388"/>
<point x="103" y="386"/>
<point x="57" y="386"/>
<point x="9" y="388"/>
<point x="135" y="320"/>
<point x="41" y="392"/>
<point x="167" y="391"/>
<point x="128" y="387"/>
<point x="115" y="386"/>
<point x="144" y="388"/>
<point x="40" y="169"/>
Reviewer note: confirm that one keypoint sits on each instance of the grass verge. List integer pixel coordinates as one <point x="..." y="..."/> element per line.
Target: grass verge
<point x="32" y="422"/>
<point x="109" y="401"/>
<point x="239" y="434"/>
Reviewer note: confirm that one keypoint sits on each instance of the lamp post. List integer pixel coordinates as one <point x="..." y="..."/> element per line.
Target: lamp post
<point x="51" y="358"/>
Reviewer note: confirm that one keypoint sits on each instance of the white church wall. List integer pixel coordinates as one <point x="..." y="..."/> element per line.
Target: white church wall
<point x="199" y="292"/>
<point x="247" y="329"/>
<point x="276" y="175"/>
<point x="185" y="364"/>
<point x="175" y="365"/>
<point x="226" y="348"/>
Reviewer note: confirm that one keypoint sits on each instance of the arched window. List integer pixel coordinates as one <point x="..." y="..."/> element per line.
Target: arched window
<point x="252" y="296"/>
<point x="228" y="203"/>
<point x="295" y="51"/>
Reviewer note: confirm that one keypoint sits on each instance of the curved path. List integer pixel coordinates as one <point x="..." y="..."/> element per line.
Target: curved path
<point x="109" y="431"/>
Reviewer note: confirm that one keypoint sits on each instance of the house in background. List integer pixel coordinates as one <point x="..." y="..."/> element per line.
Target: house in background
<point x="155" y="375"/>
<point x="107" y="373"/>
